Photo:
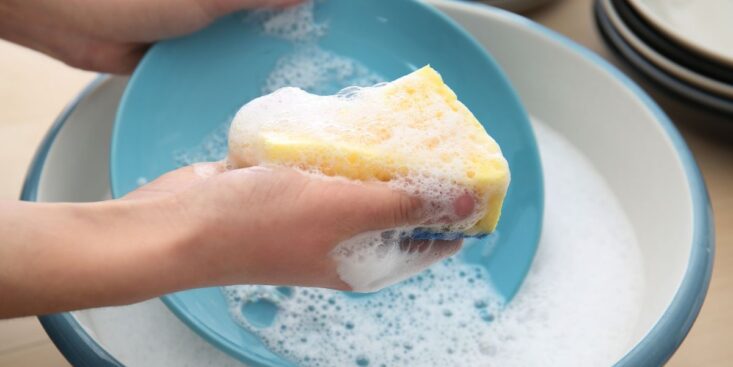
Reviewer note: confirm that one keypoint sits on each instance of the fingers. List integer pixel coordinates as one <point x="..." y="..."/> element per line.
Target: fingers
<point x="464" y="205"/>
<point x="437" y="248"/>
<point x="428" y="252"/>
<point x="223" y="7"/>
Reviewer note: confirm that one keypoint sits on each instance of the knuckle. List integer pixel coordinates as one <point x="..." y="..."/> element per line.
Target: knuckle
<point x="404" y="209"/>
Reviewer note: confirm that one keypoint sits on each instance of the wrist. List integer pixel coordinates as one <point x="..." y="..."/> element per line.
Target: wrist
<point x="127" y="251"/>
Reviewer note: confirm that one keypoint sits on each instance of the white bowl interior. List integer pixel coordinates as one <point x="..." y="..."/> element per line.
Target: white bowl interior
<point x="578" y="98"/>
<point x="609" y="124"/>
<point x="81" y="149"/>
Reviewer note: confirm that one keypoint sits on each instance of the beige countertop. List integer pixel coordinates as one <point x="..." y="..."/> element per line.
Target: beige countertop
<point x="34" y="89"/>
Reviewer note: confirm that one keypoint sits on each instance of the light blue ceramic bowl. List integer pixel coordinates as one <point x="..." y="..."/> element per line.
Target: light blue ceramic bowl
<point x="186" y="88"/>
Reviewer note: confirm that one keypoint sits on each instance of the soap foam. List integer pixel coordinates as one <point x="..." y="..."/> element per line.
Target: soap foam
<point x="308" y="66"/>
<point x="213" y="147"/>
<point x="318" y="71"/>
<point x="296" y="24"/>
<point x="372" y="260"/>
<point x="433" y="156"/>
<point x="318" y="327"/>
<point x="577" y="306"/>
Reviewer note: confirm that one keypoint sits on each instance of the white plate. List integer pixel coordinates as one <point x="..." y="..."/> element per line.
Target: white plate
<point x="689" y="76"/>
<point x="705" y="26"/>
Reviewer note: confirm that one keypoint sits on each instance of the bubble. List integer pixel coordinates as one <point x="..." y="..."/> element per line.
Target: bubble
<point x="318" y="71"/>
<point x="214" y="147"/>
<point x="259" y="313"/>
<point x="285" y="291"/>
<point x="296" y="24"/>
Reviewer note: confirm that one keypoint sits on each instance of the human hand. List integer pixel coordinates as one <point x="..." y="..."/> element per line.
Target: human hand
<point x="194" y="227"/>
<point x="110" y="36"/>
<point x="278" y="226"/>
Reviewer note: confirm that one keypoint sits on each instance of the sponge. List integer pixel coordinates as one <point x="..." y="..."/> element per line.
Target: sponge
<point x="413" y="133"/>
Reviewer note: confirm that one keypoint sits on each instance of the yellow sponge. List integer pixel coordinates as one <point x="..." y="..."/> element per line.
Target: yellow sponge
<point x="413" y="130"/>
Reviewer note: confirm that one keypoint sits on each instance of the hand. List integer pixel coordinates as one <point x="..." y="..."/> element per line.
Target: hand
<point x="278" y="226"/>
<point x="194" y="227"/>
<point x="112" y="35"/>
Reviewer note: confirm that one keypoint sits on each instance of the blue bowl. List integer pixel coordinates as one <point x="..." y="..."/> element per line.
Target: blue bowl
<point x="188" y="87"/>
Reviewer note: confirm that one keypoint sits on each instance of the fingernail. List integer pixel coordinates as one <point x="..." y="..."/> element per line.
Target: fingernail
<point x="464" y="205"/>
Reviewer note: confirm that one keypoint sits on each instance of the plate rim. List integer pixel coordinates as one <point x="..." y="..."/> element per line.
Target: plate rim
<point x="669" y="47"/>
<point x="661" y="25"/>
<point x="680" y="71"/>
<point x="671" y="84"/>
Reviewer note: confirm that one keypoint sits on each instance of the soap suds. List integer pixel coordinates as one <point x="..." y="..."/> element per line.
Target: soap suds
<point x="318" y="71"/>
<point x="577" y="306"/>
<point x="411" y="133"/>
<point x="296" y="24"/>
<point x="308" y="66"/>
<point x="318" y="327"/>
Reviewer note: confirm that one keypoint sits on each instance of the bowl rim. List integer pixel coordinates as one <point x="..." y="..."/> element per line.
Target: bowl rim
<point x="655" y="348"/>
<point x="70" y="337"/>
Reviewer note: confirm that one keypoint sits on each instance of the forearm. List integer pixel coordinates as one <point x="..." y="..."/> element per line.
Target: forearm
<point x="58" y="257"/>
<point x="27" y="24"/>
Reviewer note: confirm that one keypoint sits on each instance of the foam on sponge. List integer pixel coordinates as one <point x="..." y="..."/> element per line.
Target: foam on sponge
<point x="412" y="133"/>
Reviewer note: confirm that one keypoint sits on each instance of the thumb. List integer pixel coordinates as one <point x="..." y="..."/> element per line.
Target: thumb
<point x="373" y="206"/>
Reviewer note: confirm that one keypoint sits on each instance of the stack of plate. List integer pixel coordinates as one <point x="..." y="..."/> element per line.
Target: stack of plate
<point x="686" y="46"/>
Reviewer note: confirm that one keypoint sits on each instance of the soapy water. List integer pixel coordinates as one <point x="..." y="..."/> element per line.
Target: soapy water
<point x="570" y="311"/>
<point x="318" y="71"/>
<point x="369" y="261"/>
<point x="297" y="24"/>
<point x="319" y="327"/>
<point x="577" y="306"/>
<point x="308" y="66"/>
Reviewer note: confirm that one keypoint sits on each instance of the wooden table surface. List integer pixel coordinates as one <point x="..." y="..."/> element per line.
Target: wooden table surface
<point x="34" y="89"/>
